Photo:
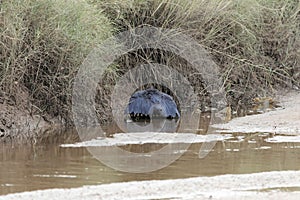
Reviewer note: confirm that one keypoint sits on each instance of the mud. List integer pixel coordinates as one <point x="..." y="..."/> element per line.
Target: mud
<point x="19" y="125"/>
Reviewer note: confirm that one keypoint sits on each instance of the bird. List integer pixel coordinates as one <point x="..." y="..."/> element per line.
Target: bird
<point x="151" y="103"/>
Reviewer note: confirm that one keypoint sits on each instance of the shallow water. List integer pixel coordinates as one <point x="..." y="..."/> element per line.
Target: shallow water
<point x="27" y="168"/>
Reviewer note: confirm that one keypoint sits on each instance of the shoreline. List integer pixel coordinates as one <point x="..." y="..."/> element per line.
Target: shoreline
<point x="284" y="120"/>
<point x="17" y="125"/>
<point x="266" y="185"/>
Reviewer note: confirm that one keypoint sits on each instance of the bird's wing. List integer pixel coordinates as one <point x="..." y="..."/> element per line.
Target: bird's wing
<point x="138" y="104"/>
<point x="170" y="105"/>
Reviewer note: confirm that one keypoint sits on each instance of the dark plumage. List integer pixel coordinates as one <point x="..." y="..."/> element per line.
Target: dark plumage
<point x="152" y="103"/>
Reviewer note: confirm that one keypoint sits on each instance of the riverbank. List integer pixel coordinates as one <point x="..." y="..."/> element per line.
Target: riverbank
<point x="19" y="124"/>
<point x="43" y="43"/>
<point x="283" y="120"/>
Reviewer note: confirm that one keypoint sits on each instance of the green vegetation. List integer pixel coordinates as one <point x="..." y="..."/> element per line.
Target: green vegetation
<point x="43" y="42"/>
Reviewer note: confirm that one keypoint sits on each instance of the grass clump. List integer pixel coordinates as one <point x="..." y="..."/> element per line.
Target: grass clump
<point x="255" y="43"/>
<point x="43" y="42"/>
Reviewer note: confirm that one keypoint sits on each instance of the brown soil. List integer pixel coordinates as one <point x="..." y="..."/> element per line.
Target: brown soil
<point x="21" y="123"/>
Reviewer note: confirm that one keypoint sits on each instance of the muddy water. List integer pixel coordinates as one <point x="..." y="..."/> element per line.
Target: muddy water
<point x="26" y="168"/>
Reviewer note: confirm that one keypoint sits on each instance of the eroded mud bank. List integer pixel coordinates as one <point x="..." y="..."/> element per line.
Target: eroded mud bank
<point x="19" y="125"/>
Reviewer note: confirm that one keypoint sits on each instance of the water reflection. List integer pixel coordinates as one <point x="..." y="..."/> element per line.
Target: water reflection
<point x="156" y="125"/>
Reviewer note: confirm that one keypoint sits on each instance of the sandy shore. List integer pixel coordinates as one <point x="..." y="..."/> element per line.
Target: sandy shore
<point x="266" y="185"/>
<point x="284" y="120"/>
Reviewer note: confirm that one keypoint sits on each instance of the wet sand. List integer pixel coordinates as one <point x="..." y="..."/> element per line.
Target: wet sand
<point x="284" y="120"/>
<point x="266" y="185"/>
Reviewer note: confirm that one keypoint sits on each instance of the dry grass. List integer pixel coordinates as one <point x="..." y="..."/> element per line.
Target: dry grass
<point x="255" y="43"/>
<point x="43" y="42"/>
